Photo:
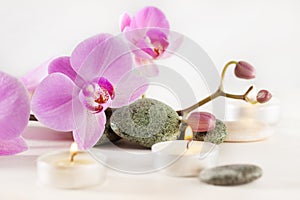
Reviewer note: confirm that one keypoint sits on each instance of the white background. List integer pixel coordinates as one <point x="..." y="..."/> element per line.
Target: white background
<point x="265" y="33"/>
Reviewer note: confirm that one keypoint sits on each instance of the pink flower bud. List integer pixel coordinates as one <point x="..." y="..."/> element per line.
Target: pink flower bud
<point x="202" y="121"/>
<point x="244" y="70"/>
<point x="263" y="96"/>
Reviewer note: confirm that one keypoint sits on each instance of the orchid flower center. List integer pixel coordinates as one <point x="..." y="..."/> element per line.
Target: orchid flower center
<point x="97" y="96"/>
<point x="157" y="47"/>
<point x="157" y="41"/>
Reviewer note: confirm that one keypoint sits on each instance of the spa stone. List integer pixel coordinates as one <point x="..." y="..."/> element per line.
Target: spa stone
<point x="216" y="136"/>
<point x="146" y="122"/>
<point x="229" y="175"/>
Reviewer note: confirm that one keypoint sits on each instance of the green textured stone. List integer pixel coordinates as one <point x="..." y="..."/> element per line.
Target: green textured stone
<point x="109" y="135"/>
<point x="146" y="122"/>
<point x="228" y="175"/>
<point x="216" y="136"/>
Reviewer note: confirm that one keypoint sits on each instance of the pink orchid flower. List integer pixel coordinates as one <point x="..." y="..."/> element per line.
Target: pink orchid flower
<point x="14" y="114"/>
<point x="148" y="30"/>
<point x="79" y="88"/>
<point x="150" y="37"/>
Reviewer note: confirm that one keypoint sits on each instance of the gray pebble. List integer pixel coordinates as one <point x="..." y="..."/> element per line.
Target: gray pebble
<point x="146" y="122"/>
<point x="229" y="175"/>
<point x="216" y="136"/>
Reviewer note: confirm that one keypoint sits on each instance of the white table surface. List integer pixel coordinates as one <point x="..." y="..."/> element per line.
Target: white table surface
<point x="279" y="157"/>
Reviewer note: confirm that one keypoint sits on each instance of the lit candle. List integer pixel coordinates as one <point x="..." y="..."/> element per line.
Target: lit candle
<point x="247" y="122"/>
<point x="184" y="157"/>
<point x="268" y="113"/>
<point x="70" y="169"/>
<point x="73" y="151"/>
<point x="188" y="135"/>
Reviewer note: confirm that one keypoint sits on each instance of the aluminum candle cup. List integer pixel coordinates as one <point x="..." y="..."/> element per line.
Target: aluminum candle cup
<point x="174" y="159"/>
<point x="56" y="170"/>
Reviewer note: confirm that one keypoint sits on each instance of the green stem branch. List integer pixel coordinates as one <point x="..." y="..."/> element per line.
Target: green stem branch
<point x="220" y="92"/>
<point x="216" y="94"/>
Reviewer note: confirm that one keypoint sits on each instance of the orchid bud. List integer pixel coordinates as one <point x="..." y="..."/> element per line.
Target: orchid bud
<point x="202" y="121"/>
<point x="244" y="70"/>
<point x="263" y="96"/>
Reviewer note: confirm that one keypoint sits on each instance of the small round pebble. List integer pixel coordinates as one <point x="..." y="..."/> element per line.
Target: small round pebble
<point x="229" y="175"/>
<point x="146" y="122"/>
<point x="216" y="136"/>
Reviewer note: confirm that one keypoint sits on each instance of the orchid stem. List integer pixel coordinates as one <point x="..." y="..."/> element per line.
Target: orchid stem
<point x="218" y="93"/>
<point x="200" y="103"/>
<point x="224" y="72"/>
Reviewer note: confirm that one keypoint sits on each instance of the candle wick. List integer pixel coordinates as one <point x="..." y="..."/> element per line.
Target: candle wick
<point x="72" y="156"/>
<point x="188" y="144"/>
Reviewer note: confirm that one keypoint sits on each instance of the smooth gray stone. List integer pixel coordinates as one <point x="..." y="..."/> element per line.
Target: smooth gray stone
<point x="216" y="136"/>
<point x="108" y="136"/>
<point x="146" y="122"/>
<point x="229" y="175"/>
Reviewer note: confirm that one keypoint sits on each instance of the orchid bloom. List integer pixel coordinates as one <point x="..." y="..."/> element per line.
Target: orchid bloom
<point x="14" y="114"/>
<point x="79" y="88"/>
<point x="148" y="30"/>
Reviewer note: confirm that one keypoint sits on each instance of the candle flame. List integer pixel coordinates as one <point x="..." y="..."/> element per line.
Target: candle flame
<point x="73" y="151"/>
<point x="188" y="133"/>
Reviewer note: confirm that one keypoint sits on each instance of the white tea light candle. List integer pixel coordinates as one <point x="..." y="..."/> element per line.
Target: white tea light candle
<point x="175" y="159"/>
<point x="70" y="169"/>
<point x="249" y="123"/>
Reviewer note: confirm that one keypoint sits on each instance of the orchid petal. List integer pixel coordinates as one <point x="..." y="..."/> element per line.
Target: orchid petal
<point x="89" y="129"/>
<point x="150" y="17"/>
<point x="12" y="146"/>
<point x="152" y="45"/>
<point x="83" y="49"/>
<point x="110" y="59"/>
<point x="149" y="68"/>
<point x="33" y="78"/>
<point x="125" y="21"/>
<point x="103" y="82"/>
<point x="175" y="40"/>
<point x="144" y="47"/>
<point x="158" y="36"/>
<point x="63" y="65"/>
<point x="131" y="87"/>
<point x="53" y="100"/>
<point x="14" y="107"/>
